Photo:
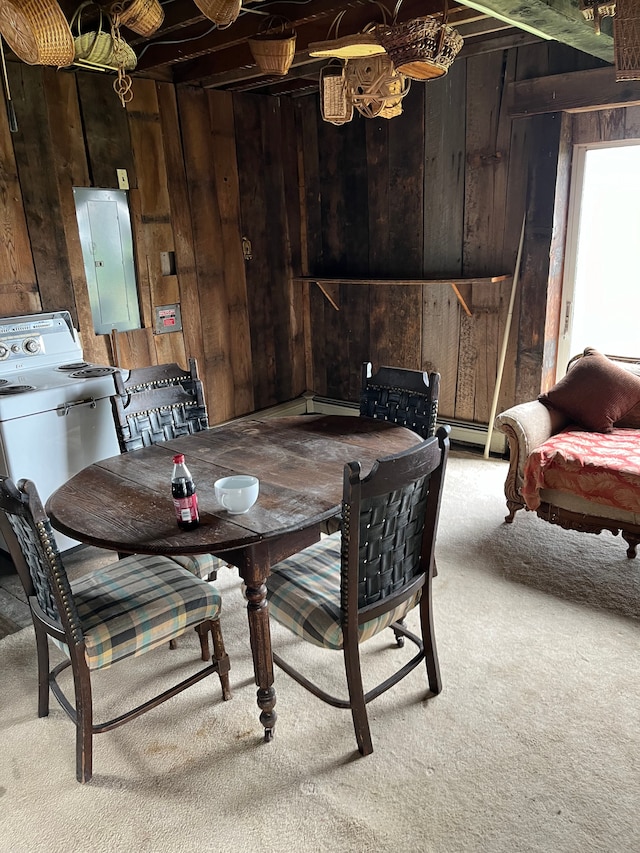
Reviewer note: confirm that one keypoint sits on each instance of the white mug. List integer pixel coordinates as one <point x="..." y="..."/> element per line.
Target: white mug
<point x="237" y="494"/>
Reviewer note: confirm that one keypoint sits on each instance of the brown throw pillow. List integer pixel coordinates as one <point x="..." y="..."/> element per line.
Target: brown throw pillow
<point x="631" y="420"/>
<point x="595" y="393"/>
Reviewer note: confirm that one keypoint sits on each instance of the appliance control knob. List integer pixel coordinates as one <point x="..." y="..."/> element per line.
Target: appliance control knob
<point x="32" y="345"/>
<point x="4" y="351"/>
<point x="16" y="348"/>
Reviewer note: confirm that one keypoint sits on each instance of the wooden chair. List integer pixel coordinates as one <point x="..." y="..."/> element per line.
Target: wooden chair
<point x="348" y="587"/>
<point x="159" y="375"/>
<point x="402" y="396"/>
<point x="158" y="403"/>
<point x="104" y="617"/>
<point x="405" y="397"/>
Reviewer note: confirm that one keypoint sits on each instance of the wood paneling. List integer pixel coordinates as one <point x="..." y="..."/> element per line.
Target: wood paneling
<point x="258" y="143"/>
<point x="212" y="179"/>
<point x="18" y="286"/>
<point x="185" y="264"/>
<point x="106" y="130"/>
<point x="295" y="303"/>
<point x="438" y="191"/>
<point x="395" y="333"/>
<point x="185" y="206"/>
<point x="71" y="170"/>
<point x="154" y="231"/>
<point x="444" y="178"/>
<point x="544" y="137"/>
<point x="34" y="154"/>
<point x="341" y="338"/>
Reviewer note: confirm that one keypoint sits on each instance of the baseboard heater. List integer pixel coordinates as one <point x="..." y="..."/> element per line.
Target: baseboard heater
<point x="462" y="432"/>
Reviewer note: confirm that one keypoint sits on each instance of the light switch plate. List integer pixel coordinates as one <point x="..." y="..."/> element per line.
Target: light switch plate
<point x="123" y="179"/>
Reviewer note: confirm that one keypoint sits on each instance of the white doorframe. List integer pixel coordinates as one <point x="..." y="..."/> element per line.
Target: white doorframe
<point x="578" y="170"/>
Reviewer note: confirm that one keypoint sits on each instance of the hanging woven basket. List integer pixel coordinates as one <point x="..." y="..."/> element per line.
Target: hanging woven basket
<point x="626" y="40"/>
<point x="37" y="32"/>
<point x="221" y="12"/>
<point x="348" y="47"/>
<point x="142" y="16"/>
<point x="397" y="88"/>
<point x="422" y="48"/>
<point x="100" y="48"/>
<point x="335" y="105"/>
<point x="356" y="45"/>
<point x="374" y="86"/>
<point x="274" y="46"/>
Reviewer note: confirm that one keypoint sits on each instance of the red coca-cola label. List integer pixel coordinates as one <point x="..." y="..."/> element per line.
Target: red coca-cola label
<point x="186" y="508"/>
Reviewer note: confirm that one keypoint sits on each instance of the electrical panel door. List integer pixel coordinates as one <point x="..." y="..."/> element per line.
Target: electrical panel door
<point x="107" y="249"/>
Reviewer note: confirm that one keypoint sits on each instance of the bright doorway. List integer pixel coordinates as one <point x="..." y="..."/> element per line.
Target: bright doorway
<point x="601" y="287"/>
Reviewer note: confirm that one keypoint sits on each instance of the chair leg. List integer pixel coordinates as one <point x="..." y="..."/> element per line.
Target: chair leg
<point x="356" y="698"/>
<point x="202" y="630"/>
<point x="42" y="648"/>
<point x="399" y="636"/>
<point x="221" y="658"/>
<point x="429" y="641"/>
<point x="84" y="725"/>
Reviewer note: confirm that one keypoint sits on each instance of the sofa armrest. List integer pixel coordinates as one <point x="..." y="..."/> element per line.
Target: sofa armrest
<point x="526" y="426"/>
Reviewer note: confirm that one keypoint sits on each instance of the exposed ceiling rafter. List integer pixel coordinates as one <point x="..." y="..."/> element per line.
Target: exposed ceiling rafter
<point x="189" y="48"/>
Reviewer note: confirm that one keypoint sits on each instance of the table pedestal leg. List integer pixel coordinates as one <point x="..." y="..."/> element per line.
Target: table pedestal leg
<point x="254" y="564"/>
<point x="260" y="636"/>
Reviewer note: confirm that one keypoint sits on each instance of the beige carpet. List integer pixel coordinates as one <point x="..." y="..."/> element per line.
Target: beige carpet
<point x="533" y="744"/>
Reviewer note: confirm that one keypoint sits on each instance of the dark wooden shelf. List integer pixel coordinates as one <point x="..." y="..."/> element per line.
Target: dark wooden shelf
<point x="461" y="286"/>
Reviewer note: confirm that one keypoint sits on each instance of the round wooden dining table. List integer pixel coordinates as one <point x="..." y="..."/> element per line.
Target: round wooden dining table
<point x="124" y="503"/>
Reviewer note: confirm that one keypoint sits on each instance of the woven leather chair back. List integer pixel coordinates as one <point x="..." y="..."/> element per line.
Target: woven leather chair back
<point x="405" y="397"/>
<point x="28" y="534"/>
<point x="157" y="404"/>
<point x="159" y="375"/>
<point x="389" y="527"/>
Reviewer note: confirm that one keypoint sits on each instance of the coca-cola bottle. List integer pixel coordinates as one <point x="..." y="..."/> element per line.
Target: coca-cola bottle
<point x="185" y="499"/>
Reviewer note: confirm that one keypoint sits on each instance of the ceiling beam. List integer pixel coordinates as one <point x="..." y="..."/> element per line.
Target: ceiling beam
<point x="579" y="91"/>
<point x="560" y="20"/>
<point x="217" y="68"/>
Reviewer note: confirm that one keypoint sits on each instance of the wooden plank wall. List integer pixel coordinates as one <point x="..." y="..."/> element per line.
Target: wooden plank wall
<point x="423" y="196"/>
<point x="192" y="177"/>
<point x="439" y="191"/>
<point x="447" y="186"/>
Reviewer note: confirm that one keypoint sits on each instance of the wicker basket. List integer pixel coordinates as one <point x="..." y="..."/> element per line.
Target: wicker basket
<point x="626" y="40"/>
<point x="375" y="87"/>
<point x="274" y="46"/>
<point x="354" y="46"/>
<point x="142" y="16"/>
<point x="100" y="48"/>
<point x="348" y="47"/>
<point x="397" y="89"/>
<point x="37" y="32"/>
<point x="335" y="105"/>
<point x="221" y="12"/>
<point x="422" y="48"/>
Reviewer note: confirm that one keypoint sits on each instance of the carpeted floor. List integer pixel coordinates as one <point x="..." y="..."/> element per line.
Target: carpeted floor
<point x="533" y="744"/>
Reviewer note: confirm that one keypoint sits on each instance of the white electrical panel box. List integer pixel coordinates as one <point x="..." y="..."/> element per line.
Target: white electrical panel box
<point x="104" y="224"/>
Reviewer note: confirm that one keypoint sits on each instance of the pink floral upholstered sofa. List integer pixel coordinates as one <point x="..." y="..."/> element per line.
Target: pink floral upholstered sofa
<point x="575" y="451"/>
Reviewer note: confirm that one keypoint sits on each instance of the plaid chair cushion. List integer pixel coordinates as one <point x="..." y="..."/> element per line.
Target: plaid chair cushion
<point x="139" y="603"/>
<point x="304" y="596"/>
<point x="200" y="565"/>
